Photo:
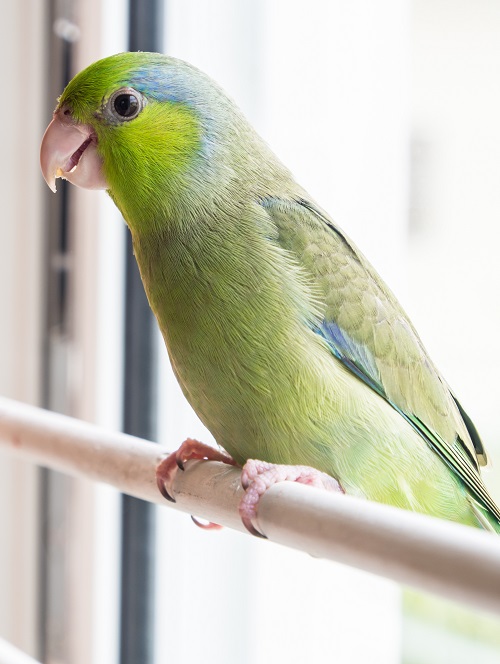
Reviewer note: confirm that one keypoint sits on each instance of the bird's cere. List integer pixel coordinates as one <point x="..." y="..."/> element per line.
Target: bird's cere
<point x="69" y="151"/>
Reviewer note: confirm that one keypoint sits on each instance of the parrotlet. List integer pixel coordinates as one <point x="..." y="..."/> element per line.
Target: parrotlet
<point x="284" y="339"/>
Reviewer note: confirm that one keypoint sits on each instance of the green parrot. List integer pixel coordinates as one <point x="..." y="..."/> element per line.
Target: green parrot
<point x="286" y="342"/>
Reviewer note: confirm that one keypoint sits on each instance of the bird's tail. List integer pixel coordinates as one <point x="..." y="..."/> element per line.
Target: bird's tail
<point x="486" y="519"/>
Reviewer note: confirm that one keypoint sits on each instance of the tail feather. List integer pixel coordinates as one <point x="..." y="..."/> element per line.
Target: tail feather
<point x="486" y="519"/>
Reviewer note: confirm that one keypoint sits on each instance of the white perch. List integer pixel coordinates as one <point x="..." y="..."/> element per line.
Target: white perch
<point x="454" y="561"/>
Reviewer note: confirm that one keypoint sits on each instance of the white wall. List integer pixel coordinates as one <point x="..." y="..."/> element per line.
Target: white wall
<point x="454" y="268"/>
<point x="454" y="276"/>
<point x="20" y="304"/>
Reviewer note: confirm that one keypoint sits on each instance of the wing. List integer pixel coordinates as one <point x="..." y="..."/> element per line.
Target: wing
<point x="368" y="331"/>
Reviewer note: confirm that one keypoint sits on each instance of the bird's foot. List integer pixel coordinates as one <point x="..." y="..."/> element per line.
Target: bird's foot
<point x="190" y="449"/>
<point x="258" y="476"/>
<point x="168" y="467"/>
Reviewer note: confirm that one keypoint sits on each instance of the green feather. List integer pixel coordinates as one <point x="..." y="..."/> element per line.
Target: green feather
<point x="285" y="340"/>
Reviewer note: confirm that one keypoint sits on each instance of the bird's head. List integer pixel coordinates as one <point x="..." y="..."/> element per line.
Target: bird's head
<point x="136" y="124"/>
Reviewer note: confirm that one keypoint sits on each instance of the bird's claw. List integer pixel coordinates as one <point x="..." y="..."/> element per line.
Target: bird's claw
<point x="190" y="449"/>
<point x="257" y="476"/>
<point x="205" y="525"/>
<point x="161" y="486"/>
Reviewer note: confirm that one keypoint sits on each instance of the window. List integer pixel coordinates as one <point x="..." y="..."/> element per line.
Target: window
<point x="386" y="113"/>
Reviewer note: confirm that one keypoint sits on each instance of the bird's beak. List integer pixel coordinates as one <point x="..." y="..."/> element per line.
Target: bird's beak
<point x="69" y="151"/>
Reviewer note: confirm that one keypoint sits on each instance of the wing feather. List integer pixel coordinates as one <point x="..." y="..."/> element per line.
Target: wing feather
<point x="369" y="332"/>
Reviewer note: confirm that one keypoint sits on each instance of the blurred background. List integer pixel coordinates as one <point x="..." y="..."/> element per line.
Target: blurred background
<point x="387" y="113"/>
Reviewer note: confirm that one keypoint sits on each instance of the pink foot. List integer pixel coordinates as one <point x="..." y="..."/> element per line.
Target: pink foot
<point x="258" y="476"/>
<point x="190" y="449"/>
<point x="168" y="467"/>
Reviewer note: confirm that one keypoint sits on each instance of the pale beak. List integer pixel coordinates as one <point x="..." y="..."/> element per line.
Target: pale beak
<point x="69" y="151"/>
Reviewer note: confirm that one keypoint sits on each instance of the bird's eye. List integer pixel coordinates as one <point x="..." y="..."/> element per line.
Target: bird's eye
<point x="125" y="104"/>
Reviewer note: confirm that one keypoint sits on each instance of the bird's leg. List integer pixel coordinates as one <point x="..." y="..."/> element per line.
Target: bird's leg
<point x="258" y="476"/>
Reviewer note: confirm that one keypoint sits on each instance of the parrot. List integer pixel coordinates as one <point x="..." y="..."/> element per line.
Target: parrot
<point x="286" y="342"/>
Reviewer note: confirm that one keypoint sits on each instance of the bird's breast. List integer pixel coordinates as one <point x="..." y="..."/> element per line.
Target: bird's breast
<point x="233" y="321"/>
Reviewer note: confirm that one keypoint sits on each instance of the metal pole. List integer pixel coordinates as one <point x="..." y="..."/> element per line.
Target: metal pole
<point x="56" y="490"/>
<point x="140" y="413"/>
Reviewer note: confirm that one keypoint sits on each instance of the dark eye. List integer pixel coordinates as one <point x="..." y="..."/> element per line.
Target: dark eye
<point x="125" y="104"/>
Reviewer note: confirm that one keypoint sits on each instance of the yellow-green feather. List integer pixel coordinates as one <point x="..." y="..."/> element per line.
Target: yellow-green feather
<point x="153" y="152"/>
<point x="253" y="287"/>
